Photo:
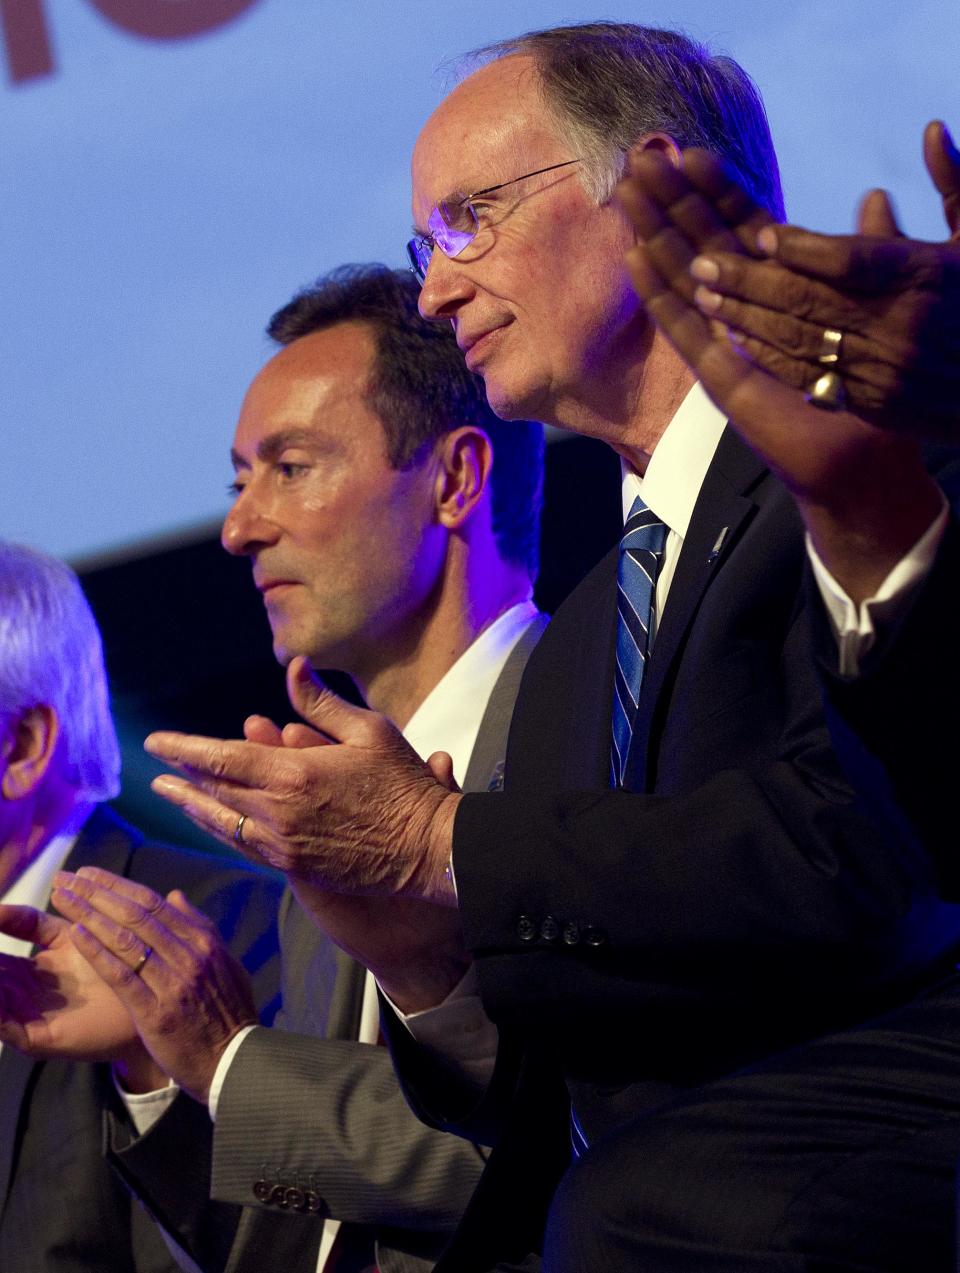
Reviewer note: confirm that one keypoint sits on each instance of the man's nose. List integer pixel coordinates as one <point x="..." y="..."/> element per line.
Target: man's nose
<point x="245" y="528"/>
<point x="445" y="289"/>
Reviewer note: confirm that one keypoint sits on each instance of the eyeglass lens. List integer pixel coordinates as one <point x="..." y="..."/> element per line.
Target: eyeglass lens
<point x="452" y="225"/>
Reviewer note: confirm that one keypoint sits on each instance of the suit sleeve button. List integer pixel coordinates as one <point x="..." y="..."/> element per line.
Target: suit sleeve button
<point x="571" y="934"/>
<point x="594" y="936"/>
<point x="526" y="928"/>
<point x="261" y="1191"/>
<point x="549" y="929"/>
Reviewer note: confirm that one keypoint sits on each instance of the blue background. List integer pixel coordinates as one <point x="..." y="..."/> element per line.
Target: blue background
<point x="160" y="198"/>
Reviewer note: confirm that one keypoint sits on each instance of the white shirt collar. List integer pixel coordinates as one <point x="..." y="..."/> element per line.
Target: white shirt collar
<point x="679" y="463"/>
<point x="449" y="717"/>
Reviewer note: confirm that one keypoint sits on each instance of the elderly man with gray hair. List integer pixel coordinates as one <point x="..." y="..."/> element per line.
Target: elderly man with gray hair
<point x="59" y="760"/>
<point x="677" y="905"/>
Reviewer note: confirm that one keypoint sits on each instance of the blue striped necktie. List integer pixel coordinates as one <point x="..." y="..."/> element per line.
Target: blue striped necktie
<point x="641" y="550"/>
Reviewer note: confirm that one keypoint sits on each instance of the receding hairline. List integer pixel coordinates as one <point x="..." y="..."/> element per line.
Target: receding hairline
<point x="476" y="74"/>
<point x="288" y="356"/>
<point x="550" y="118"/>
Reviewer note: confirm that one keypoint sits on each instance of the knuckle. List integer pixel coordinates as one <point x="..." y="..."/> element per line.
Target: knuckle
<point x="793" y="338"/>
<point x="205" y="944"/>
<point x="801" y="300"/>
<point x="168" y="1018"/>
<point x="730" y="265"/>
<point x="127" y="942"/>
<point x="216" y="763"/>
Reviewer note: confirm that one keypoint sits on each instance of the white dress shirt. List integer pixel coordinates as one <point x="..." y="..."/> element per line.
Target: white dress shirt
<point x="671" y="485"/>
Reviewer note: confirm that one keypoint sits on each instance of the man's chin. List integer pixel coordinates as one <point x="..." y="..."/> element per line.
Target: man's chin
<point x="511" y="402"/>
<point x="287" y="647"/>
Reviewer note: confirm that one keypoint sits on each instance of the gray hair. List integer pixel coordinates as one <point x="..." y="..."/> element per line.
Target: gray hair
<point x="51" y="654"/>
<point x="609" y="83"/>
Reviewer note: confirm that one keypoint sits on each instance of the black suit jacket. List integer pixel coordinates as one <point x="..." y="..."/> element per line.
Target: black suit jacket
<point x="889" y="722"/>
<point x="736" y="898"/>
<point x="63" y="1210"/>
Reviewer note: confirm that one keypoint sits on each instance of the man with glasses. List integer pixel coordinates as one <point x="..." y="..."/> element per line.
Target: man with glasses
<point x="676" y="881"/>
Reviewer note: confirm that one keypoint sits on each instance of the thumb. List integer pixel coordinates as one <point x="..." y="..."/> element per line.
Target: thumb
<point x="339" y="721"/>
<point x="876" y="216"/>
<point x="36" y="927"/>
<point x="178" y="900"/>
<point x="943" y="164"/>
<point x="440" y="765"/>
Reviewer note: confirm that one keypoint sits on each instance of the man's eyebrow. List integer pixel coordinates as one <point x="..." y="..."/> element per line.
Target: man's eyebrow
<point x="272" y="446"/>
<point x="454" y="197"/>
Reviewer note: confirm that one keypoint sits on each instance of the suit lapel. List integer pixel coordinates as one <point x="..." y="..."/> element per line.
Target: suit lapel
<point x="722" y="512"/>
<point x="485" y="770"/>
<point x="346" y="999"/>
<point x="591" y="695"/>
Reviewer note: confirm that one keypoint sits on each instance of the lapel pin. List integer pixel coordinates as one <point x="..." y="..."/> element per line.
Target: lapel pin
<point x="715" y="550"/>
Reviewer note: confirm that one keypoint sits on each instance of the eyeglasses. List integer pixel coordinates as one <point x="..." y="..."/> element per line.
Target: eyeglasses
<point x="453" y="223"/>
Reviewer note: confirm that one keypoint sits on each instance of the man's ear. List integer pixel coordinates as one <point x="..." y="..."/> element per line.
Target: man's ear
<point x="28" y="746"/>
<point x="465" y="459"/>
<point x="658" y="141"/>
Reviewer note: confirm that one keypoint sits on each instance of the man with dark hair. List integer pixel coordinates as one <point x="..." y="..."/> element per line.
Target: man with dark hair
<point x="418" y="386"/>
<point x="392" y="524"/>
<point x="676" y="882"/>
<point x="59" y="761"/>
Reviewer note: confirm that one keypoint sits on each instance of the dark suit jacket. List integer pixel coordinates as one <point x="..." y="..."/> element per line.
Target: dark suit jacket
<point x="889" y="722"/>
<point x="316" y="1114"/>
<point x="736" y="898"/>
<point x="63" y="1210"/>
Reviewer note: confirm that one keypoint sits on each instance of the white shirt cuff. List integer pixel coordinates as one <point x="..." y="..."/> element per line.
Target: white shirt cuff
<point x="856" y="627"/>
<point x="220" y="1073"/>
<point x="458" y="1030"/>
<point x="146" y="1108"/>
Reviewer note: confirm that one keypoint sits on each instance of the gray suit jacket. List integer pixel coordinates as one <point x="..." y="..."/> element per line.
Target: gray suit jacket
<point x="308" y="1129"/>
<point x="61" y="1209"/>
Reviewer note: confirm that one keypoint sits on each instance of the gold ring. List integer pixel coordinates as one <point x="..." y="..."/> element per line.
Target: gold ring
<point x="827" y="392"/>
<point x="830" y="342"/>
<point x="138" y="968"/>
<point x="238" y="834"/>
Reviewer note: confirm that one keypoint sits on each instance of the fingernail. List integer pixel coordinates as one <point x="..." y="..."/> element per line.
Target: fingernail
<point x="164" y="785"/>
<point x="736" y="337"/>
<point x="705" y="299"/>
<point x="767" y="240"/>
<point x="149" y="745"/>
<point x="704" y="269"/>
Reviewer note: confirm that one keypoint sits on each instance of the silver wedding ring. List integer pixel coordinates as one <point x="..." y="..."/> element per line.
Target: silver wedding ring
<point x="238" y="834"/>
<point x="138" y="967"/>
